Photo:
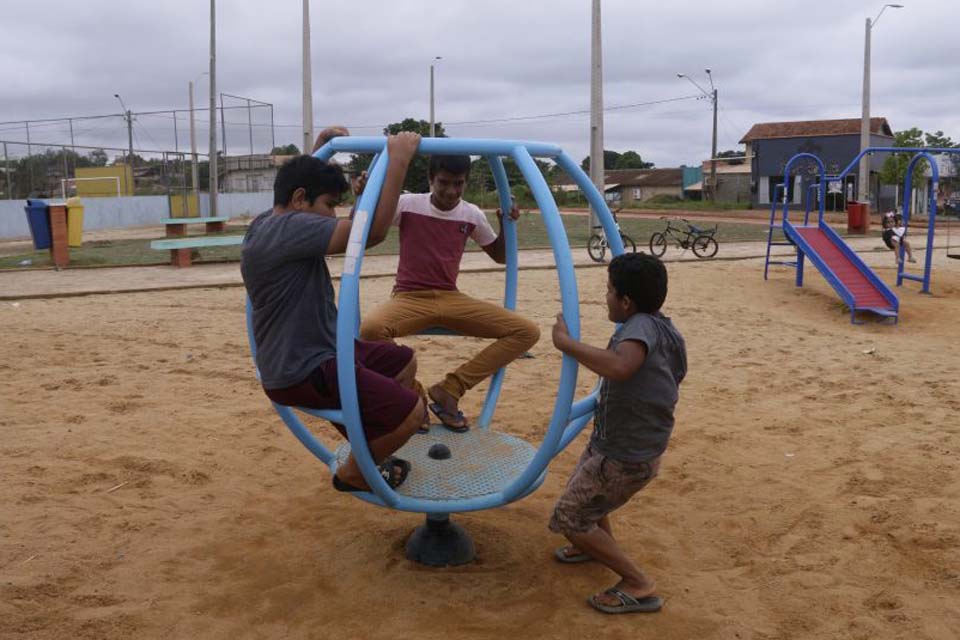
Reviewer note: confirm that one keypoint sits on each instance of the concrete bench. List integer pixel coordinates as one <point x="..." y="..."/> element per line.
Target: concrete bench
<point x="177" y="227"/>
<point x="182" y="248"/>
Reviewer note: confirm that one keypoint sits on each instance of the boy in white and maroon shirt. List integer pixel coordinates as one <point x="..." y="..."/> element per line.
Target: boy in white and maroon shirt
<point x="434" y="228"/>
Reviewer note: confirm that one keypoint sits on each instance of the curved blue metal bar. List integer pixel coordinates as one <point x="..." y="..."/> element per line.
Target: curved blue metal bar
<point x="823" y="185"/>
<point x="931" y="221"/>
<point x="510" y="278"/>
<point x="347" y="315"/>
<point x="287" y="414"/>
<point x="853" y="163"/>
<point x="571" y="314"/>
<point x="464" y="146"/>
<point x="596" y="200"/>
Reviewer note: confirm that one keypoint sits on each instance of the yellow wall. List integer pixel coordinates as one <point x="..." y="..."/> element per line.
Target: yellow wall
<point x="184" y="205"/>
<point x="106" y="187"/>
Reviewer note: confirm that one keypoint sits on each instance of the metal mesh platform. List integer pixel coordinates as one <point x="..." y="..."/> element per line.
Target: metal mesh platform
<point x="482" y="462"/>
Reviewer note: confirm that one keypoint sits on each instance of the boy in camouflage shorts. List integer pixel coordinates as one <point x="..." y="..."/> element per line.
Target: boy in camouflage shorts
<point x="641" y="370"/>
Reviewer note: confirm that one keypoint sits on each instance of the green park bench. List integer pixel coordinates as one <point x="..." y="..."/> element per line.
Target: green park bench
<point x="177" y="227"/>
<point x="181" y="249"/>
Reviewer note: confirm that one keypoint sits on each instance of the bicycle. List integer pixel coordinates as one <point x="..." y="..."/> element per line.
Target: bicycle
<point x="597" y="244"/>
<point x="700" y="240"/>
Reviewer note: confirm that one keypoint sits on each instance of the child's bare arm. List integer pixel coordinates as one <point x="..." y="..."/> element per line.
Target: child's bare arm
<point x="618" y="364"/>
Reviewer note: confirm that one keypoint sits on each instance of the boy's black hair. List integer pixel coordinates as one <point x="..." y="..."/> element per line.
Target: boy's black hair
<point x="456" y="165"/>
<point x="315" y="176"/>
<point x="642" y="278"/>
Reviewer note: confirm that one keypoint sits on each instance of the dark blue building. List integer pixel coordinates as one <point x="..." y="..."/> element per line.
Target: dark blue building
<point x="770" y="145"/>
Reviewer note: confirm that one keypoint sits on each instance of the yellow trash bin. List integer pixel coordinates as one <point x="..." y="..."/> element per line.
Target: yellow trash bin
<point x="74" y="222"/>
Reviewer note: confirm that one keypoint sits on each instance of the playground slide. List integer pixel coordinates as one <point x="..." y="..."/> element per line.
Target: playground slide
<point x="857" y="285"/>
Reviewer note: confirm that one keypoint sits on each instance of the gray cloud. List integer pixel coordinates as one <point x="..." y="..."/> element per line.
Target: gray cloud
<point x="771" y="60"/>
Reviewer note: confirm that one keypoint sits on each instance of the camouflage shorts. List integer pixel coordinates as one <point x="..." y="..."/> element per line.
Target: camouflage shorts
<point x="599" y="485"/>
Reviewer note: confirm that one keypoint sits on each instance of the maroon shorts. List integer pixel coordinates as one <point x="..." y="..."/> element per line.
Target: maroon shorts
<point x="384" y="402"/>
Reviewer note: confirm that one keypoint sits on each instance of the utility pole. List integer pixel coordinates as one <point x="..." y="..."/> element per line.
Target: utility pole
<point x="596" y="111"/>
<point x="6" y="171"/>
<point x="433" y="127"/>
<point x="250" y="125"/>
<point x="129" y="118"/>
<point x="214" y="177"/>
<point x="713" y="153"/>
<point x="863" y="172"/>
<point x="712" y="96"/>
<point x="307" y="82"/>
<point x="194" y="166"/>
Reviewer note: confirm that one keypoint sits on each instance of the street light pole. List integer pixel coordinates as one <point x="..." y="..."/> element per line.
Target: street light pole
<point x="863" y="176"/>
<point x="433" y="128"/>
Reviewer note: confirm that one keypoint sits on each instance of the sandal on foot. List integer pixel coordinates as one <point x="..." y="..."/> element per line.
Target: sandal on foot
<point x="562" y="556"/>
<point x="393" y="470"/>
<point x="456" y="422"/>
<point x="628" y="604"/>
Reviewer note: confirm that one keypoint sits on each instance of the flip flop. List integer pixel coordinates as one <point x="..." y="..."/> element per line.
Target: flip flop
<point x="628" y="604"/>
<point x="445" y="418"/>
<point x="394" y="470"/>
<point x="561" y="555"/>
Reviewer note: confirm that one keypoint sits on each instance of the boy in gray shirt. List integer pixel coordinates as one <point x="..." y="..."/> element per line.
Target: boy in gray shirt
<point x="641" y="370"/>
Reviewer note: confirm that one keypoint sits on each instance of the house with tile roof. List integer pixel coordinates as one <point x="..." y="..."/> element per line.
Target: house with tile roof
<point x="770" y="145"/>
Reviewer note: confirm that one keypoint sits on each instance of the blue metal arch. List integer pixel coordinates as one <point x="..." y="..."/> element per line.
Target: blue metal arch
<point x="931" y="221"/>
<point x="569" y="417"/>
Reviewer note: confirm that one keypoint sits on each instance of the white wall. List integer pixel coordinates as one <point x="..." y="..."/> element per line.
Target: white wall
<point x="132" y="211"/>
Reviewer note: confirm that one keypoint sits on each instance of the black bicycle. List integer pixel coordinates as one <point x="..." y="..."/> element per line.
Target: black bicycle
<point x="700" y="240"/>
<point x="597" y="244"/>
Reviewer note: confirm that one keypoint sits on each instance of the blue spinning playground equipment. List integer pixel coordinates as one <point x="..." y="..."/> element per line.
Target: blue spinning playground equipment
<point x="856" y="284"/>
<point x="487" y="469"/>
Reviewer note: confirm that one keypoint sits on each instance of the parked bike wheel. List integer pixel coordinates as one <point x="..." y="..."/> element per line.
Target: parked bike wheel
<point x="658" y="244"/>
<point x="705" y="247"/>
<point x="596" y="247"/>
<point x="629" y="246"/>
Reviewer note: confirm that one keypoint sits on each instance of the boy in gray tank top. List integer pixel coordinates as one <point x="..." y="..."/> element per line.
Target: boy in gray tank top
<point x="641" y="370"/>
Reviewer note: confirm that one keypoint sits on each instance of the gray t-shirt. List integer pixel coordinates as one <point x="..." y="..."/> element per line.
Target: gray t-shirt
<point x="633" y="419"/>
<point x="286" y="276"/>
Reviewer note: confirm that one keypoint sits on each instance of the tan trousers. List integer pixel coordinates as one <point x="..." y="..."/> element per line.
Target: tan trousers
<point x="410" y="312"/>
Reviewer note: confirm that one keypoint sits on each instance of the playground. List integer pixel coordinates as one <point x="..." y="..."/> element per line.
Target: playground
<point x="810" y="490"/>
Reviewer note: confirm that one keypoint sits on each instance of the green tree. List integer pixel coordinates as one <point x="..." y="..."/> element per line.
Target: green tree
<point x="610" y="159"/>
<point x="631" y="160"/>
<point x="938" y="140"/>
<point x="286" y="150"/>
<point x="417" y="180"/>
<point x="894" y="170"/>
<point x="732" y="153"/>
<point x="98" y="158"/>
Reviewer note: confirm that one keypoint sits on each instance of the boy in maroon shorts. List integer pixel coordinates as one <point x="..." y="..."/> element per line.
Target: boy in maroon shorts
<point x="295" y="317"/>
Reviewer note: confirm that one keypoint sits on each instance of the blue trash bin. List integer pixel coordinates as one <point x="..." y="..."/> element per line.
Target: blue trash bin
<point x="39" y="223"/>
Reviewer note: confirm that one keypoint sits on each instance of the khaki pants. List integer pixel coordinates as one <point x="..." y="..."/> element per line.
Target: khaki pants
<point x="410" y="312"/>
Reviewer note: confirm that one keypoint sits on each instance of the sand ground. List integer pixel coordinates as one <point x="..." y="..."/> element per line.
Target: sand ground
<point x="147" y="490"/>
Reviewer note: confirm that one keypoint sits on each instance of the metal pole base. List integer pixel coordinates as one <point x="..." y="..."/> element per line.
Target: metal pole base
<point x="439" y="543"/>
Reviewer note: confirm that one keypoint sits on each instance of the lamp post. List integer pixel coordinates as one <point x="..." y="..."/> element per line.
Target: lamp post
<point x="307" y="82"/>
<point x="712" y="96"/>
<point x="433" y="128"/>
<point x="863" y="177"/>
<point x="129" y="118"/>
<point x="194" y="167"/>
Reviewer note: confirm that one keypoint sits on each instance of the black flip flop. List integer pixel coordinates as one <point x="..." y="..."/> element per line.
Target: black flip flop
<point x="393" y="470"/>
<point x="442" y="415"/>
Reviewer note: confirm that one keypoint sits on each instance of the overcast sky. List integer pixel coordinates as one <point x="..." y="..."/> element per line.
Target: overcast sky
<point x="771" y="61"/>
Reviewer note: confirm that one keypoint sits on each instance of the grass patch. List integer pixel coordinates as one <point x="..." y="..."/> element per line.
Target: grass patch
<point x="531" y="232"/>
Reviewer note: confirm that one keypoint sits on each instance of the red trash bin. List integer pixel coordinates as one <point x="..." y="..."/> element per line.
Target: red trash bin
<point x="855" y="214"/>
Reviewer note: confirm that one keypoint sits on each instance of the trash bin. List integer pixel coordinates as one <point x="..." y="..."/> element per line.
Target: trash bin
<point x="857" y="213"/>
<point x="39" y="223"/>
<point x="74" y="222"/>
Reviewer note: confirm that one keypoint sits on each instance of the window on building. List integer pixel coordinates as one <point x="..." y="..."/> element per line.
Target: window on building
<point x="774" y="183"/>
<point x="637" y="193"/>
